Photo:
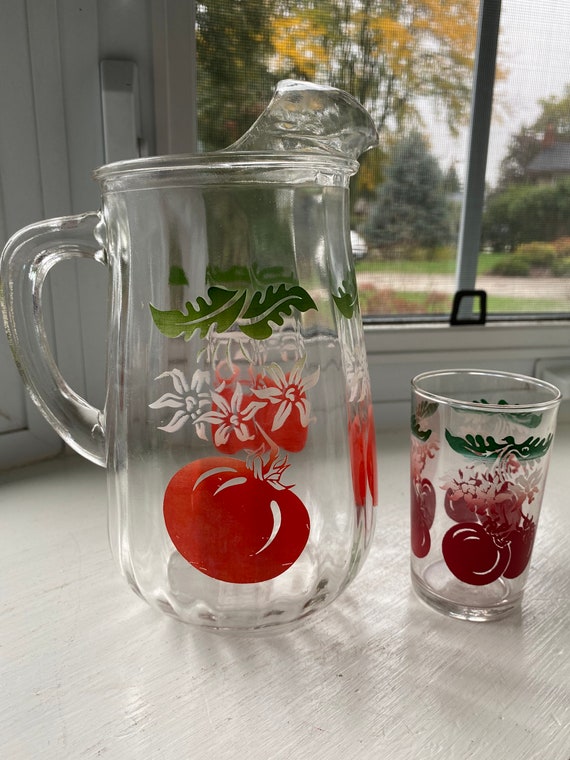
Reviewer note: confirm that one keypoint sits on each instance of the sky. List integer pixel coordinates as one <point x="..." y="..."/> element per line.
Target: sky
<point x="534" y="51"/>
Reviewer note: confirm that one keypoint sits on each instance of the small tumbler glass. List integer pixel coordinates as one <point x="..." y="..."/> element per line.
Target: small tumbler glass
<point x="480" y="447"/>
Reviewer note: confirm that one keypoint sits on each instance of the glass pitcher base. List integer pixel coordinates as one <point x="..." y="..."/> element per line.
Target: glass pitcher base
<point x="240" y="622"/>
<point x="277" y="605"/>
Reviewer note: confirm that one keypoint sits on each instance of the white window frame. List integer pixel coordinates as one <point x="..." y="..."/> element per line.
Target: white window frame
<point x="51" y="139"/>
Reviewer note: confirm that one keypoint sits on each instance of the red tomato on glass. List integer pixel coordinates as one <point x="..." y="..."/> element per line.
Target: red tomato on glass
<point x="456" y="506"/>
<point x="472" y="555"/>
<point x="362" y="443"/>
<point x="358" y="456"/>
<point x="284" y="418"/>
<point x="422" y="513"/>
<point x="521" y="541"/>
<point x="231" y="525"/>
<point x="371" y="460"/>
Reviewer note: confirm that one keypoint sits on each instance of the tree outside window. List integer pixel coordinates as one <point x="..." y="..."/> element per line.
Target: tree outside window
<point x="410" y="63"/>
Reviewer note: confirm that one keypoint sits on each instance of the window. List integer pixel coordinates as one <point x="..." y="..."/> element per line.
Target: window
<point x="526" y="220"/>
<point x="412" y="64"/>
<point x="51" y="138"/>
<point x="440" y="129"/>
<point x="427" y="216"/>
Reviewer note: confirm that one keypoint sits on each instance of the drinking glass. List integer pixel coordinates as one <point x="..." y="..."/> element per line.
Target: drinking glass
<point x="480" y="447"/>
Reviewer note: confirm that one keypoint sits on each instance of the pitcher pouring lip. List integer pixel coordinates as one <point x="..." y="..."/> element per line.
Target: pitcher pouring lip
<point x="304" y="123"/>
<point x="303" y="116"/>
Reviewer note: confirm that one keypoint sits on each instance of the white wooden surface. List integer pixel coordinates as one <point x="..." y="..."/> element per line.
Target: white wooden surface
<point x="87" y="670"/>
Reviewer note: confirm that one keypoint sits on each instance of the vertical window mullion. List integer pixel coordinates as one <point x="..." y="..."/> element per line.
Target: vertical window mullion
<point x="175" y="88"/>
<point x="481" y="109"/>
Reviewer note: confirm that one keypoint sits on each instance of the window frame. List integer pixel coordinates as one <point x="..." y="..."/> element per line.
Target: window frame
<point x="51" y="140"/>
<point x="479" y="128"/>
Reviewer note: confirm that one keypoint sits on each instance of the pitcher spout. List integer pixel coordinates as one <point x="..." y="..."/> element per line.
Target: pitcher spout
<point x="307" y="117"/>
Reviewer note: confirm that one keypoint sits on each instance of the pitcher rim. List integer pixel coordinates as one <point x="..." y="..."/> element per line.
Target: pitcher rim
<point x="226" y="160"/>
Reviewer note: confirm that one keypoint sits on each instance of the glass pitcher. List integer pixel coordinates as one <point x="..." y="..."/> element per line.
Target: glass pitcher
<point x="237" y="431"/>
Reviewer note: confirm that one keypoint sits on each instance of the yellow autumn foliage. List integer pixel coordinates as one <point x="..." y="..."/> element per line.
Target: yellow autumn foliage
<point x="388" y="54"/>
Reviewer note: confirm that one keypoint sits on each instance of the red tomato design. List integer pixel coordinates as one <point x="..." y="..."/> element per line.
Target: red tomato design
<point x="371" y="460"/>
<point x="231" y="525"/>
<point x="472" y="555"/>
<point x="422" y="515"/>
<point x="421" y="539"/>
<point x="362" y="443"/>
<point x="282" y="416"/>
<point x="521" y="541"/>
<point x="456" y="506"/>
<point x="358" y="456"/>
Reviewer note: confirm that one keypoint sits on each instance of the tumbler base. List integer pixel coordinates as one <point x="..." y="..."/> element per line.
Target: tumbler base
<point x="455" y="599"/>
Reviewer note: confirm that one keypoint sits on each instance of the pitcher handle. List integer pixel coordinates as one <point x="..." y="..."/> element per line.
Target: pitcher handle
<point x="25" y="262"/>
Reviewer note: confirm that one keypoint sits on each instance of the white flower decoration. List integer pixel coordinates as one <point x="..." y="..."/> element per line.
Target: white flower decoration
<point x="356" y="376"/>
<point x="189" y="401"/>
<point x="229" y="417"/>
<point x="289" y="392"/>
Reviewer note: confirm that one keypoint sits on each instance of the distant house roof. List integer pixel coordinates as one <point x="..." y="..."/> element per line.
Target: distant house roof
<point x="554" y="159"/>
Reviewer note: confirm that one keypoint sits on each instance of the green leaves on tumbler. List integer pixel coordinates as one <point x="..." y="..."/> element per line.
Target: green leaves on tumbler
<point x="487" y="447"/>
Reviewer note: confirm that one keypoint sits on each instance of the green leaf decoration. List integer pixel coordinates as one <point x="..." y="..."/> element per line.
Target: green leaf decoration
<point x="533" y="448"/>
<point x="481" y="447"/>
<point x="222" y="310"/>
<point x="417" y="432"/>
<point x="347" y="298"/>
<point x="227" y="307"/>
<point x="177" y="276"/>
<point x="270" y="306"/>
<point x="231" y="276"/>
<point x="425" y="409"/>
<point x="527" y="419"/>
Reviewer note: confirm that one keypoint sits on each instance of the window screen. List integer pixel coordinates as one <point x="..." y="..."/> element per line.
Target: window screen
<point x="412" y="64"/>
<point x="525" y="247"/>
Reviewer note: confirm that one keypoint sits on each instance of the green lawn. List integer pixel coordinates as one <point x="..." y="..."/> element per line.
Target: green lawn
<point x="381" y="302"/>
<point x="447" y="266"/>
<point x="414" y="302"/>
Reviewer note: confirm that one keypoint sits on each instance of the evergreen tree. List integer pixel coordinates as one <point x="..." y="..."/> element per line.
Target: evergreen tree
<point x="451" y="183"/>
<point x="411" y="209"/>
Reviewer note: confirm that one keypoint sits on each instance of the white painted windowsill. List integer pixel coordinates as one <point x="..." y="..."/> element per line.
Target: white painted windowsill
<point x="89" y="671"/>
